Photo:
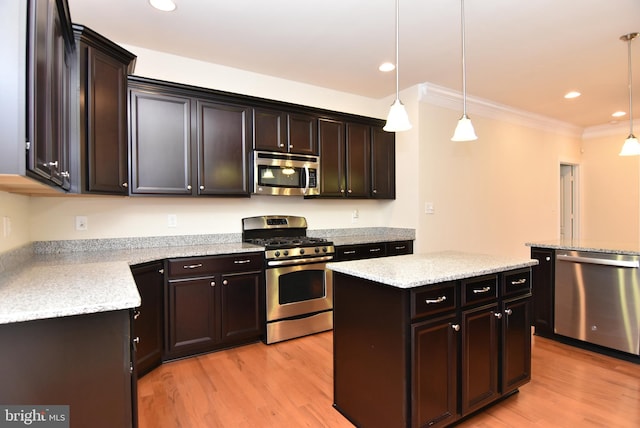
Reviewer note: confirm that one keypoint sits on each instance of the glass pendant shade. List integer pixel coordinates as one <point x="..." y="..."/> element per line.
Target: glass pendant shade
<point x="464" y="130"/>
<point x="631" y="146"/>
<point x="398" y="119"/>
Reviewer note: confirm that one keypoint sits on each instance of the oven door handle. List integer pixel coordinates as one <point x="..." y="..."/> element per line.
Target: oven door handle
<point x="299" y="261"/>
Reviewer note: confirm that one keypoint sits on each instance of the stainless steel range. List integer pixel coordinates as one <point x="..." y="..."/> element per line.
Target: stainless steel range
<point x="299" y="288"/>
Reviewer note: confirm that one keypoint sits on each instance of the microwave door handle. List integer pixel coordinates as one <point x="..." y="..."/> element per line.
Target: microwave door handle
<point x="306" y="184"/>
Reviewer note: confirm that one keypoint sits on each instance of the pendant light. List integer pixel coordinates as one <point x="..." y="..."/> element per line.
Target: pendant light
<point x="464" y="130"/>
<point x="631" y="145"/>
<point x="397" y="120"/>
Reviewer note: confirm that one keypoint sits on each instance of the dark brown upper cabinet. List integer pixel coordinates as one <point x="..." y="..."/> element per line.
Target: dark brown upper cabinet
<point x="50" y="54"/>
<point x="357" y="160"/>
<point x="184" y="143"/>
<point x="287" y="132"/>
<point x="103" y="150"/>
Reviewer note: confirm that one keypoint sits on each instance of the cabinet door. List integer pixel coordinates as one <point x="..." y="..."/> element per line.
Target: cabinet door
<point x="516" y="343"/>
<point x="543" y="290"/>
<point x="332" y="157"/>
<point x="160" y="144"/>
<point x="148" y="320"/>
<point x="224" y="132"/>
<point x="434" y="383"/>
<point x="358" y="160"/>
<point x="105" y="116"/>
<point x="269" y="130"/>
<point x="49" y="93"/>
<point x="383" y="164"/>
<point x="479" y="357"/>
<point x="241" y="306"/>
<point x="302" y="134"/>
<point x="192" y="316"/>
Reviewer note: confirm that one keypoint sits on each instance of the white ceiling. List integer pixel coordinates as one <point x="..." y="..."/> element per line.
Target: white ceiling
<point x="523" y="54"/>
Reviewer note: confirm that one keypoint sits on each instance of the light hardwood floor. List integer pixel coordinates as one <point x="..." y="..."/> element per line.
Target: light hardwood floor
<point x="289" y="384"/>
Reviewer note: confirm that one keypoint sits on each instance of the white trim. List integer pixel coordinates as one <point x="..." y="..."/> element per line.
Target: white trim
<point x="610" y="129"/>
<point x="447" y="98"/>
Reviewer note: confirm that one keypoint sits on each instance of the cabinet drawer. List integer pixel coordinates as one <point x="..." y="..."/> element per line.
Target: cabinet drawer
<point x="363" y="251"/>
<point x="200" y="266"/>
<point x="516" y="282"/>
<point x="479" y="289"/>
<point x="432" y="300"/>
<point x="399" y="247"/>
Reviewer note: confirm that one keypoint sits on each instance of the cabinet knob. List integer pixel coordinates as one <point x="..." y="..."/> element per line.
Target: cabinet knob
<point x="188" y="186"/>
<point x="136" y="314"/>
<point x="375" y="191"/>
<point x="281" y="145"/>
<point x="456" y="327"/>
<point x="64" y="174"/>
<point x="508" y="311"/>
<point x="225" y="282"/>
<point x="161" y="271"/>
<point x="213" y="283"/>
<point x="341" y="190"/>
<point x="497" y="315"/>
<point x="125" y="185"/>
<point x="548" y="258"/>
<point x="201" y="187"/>
<point x="349" y="191"/>
<point x="51" y="164"/>
<point x="136" y="340"/>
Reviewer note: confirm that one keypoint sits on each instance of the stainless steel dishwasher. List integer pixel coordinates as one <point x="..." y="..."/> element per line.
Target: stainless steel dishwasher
<point x="597" y="299"/>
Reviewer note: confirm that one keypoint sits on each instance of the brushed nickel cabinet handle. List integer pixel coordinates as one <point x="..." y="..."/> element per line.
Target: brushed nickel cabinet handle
<point x="196" y="266"/>
<point x="481" y="290"/>
<point x="438" y="300"/>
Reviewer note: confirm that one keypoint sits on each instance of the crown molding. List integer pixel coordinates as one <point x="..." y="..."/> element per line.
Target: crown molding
<point x="447" y="98"/>
<point x="620" y="129"/>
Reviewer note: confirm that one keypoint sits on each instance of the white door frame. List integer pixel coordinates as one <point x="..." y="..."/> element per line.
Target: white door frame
<point x="569" y="212"/>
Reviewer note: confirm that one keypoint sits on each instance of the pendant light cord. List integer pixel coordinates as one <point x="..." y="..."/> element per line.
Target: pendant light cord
<point x="464" y="68"/>
<point x="397" y="49"/>
<point x="630" y="89"/>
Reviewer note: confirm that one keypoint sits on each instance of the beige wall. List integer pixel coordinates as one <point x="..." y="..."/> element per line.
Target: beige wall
<point x="494" y="194"/>
<point x="15" y="208"/>
<point x="611" y="188"/>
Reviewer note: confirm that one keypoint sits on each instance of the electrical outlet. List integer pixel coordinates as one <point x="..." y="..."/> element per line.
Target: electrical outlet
<point x="428" y="208"/>
<point x="6" y="226"/>
<point x="355" y="215"/>
<point x="172" y="220"/>
<point x="82" y="223"/>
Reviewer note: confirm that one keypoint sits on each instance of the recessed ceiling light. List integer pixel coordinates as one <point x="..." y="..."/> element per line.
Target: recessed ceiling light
<point x="163" y="5"/>
<point x="572" y="94"/>
<point x="619" y="114"/>
<point x="386" y="67"/>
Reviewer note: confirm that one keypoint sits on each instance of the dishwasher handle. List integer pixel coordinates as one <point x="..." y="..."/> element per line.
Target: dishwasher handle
<point x="596" y="261"/>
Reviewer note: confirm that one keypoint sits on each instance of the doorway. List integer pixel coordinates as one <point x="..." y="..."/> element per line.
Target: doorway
<point x="568" y="202"/>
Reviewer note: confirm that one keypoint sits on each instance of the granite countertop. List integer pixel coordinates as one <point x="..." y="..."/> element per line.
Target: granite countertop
<point x="50" y="279"/>
<point x="586" y="245"/>
<point x="415" y="270"/>
<point x="74" y="283"/>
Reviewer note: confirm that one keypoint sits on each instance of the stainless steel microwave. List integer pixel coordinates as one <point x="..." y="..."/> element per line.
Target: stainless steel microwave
<point x="285" y="174"/>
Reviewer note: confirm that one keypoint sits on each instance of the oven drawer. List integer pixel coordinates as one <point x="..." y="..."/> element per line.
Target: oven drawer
<point x="202" y="266"/>
<point x="479" y="290"/>
<point x="433" y="300"/>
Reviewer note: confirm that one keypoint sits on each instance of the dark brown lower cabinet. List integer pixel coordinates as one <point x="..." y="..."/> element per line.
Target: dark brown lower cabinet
<point x="543" y="275"/>
<point x="148" y="318"/>
<point x="83" y="361"/>
<point x="213" y="303"/>
<point x="421" y="357"/>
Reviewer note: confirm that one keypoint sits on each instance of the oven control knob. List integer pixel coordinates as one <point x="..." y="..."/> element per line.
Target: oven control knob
<point x="324" y="249"/>
<point x="317" y="250"/>
<point x="277" y="253"/>
<point x="301" y="251"/>
<point x="286" y="252"/>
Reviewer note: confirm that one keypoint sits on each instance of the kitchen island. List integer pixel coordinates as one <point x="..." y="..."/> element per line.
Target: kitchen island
<point x="428" y="339"/>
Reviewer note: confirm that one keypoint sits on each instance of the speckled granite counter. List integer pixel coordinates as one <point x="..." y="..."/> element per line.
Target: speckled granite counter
<point x="73" y="283"/>
<point x="415" y="270"/>
<point x="585" y="245"/>
<point x="49" y="279"/>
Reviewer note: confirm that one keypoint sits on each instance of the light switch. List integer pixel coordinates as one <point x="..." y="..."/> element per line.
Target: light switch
<point x="428" y="208"/>
<point x="172" y="220"/>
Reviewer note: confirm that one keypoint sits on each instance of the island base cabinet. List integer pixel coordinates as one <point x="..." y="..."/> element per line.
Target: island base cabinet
<point x="370" y="356"/>
<point x="435" y="372"/>
<point x="57" y="361"/>
<point x="516" y="339"/>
